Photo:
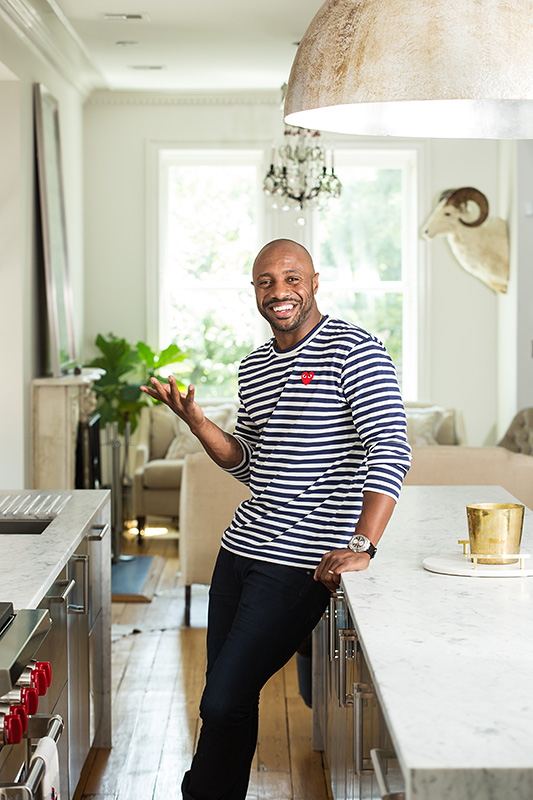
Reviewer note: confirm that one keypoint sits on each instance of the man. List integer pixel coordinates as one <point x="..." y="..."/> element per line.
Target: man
<point x="321" y="441"/>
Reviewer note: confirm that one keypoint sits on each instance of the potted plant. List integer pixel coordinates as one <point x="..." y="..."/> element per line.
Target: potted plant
<point x="125" y="368"/>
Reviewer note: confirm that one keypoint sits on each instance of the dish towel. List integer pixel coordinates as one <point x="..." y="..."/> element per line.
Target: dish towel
<point x="47" y="750"/>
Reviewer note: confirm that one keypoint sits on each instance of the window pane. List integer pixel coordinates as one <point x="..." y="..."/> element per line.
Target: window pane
<point x="217" y="329"/>
<point x="206" y="300"/>
<point x="361" y="233"/>
<point x="212" y="228"/>
<point x="380" y="313"/>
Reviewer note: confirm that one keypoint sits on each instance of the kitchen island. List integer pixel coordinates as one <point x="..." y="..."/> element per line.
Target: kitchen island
<point x="450" y="658"/>
<point x="55" y="554"/>
<point x="29" y="563"/>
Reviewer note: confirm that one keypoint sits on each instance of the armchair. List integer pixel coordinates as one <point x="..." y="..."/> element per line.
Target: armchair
<point x="162" y="443"/>
<point x="208" y="499"/>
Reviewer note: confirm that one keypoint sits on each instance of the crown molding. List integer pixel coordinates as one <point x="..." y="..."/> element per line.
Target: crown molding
<point x="212" y="98"/>
<point x="44" y="28"/>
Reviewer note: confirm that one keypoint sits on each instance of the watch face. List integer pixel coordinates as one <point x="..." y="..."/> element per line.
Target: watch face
<point x="359" y="543"/>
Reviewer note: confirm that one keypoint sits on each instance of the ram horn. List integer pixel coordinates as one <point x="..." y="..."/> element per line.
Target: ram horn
<point x="461" y="196"/>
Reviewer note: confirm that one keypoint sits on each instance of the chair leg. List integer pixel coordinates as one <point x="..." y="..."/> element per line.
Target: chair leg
<point x="141" y="522"/>
<point x="187" y="606"/>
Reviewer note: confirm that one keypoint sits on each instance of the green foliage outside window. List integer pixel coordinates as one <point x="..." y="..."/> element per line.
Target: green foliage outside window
<point x="360" y="250"/>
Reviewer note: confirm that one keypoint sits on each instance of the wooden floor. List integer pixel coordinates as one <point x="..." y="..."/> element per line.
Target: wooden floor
<point x="158" y="674"/>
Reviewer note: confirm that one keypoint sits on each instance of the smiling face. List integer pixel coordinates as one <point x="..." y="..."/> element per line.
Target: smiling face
<point x="285" y="285"/>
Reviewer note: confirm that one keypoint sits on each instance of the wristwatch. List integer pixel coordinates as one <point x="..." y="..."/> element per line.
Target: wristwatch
<point x="360" y="544"/>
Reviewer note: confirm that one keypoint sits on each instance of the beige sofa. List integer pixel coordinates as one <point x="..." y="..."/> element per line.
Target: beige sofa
<point x="473" y="466"/>
<point x="209" y="496"/>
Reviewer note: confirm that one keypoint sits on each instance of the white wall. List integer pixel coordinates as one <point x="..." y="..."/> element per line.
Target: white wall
<point x="462" y="313"/>
<point x="19" y="330"/>
<point x="12" y="359"/>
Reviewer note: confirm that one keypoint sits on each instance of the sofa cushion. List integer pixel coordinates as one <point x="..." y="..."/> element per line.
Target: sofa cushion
<point x="161" y="430"/>
<point x="423" y="425"/>
<point x="163" y="473"/>
<point x="446" y="432"/>
<point x="185" y="443"/>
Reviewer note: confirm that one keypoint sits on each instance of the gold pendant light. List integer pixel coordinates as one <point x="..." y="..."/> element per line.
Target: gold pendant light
<point x="425" y="68"/>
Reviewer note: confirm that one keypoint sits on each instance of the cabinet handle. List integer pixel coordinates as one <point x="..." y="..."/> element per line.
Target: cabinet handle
<point x="100" y="531"/>
<point x="362" y="691"/>
<point x="83" y="609"/>
<point x="378" y="757"/>
<point x="345" y="699"/>
<point x="65" y="589"/>
<point x="333" y="600"/>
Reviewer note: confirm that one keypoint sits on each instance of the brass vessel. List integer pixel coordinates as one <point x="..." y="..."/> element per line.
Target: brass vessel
<point x="495" y="529"/>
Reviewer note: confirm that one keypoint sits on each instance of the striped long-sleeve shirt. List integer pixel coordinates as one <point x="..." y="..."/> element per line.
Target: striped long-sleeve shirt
<point x="318" y="424"/>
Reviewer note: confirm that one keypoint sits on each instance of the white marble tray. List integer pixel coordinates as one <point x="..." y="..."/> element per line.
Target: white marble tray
<point x="461" y="564"/>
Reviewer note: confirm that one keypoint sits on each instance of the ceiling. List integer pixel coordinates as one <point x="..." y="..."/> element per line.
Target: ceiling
<point x="190" y="44"/>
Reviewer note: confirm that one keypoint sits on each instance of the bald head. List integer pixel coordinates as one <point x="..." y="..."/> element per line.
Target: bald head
<point x="284" y="248"/>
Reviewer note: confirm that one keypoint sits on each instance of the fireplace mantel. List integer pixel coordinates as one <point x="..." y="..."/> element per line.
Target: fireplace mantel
<point x="59" y="404"/>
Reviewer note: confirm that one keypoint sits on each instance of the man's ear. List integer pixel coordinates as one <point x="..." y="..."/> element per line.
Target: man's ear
<point x="315" y="282"/>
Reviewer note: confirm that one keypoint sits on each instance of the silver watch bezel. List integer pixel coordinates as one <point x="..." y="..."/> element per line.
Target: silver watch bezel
<point x="364" y="546"/>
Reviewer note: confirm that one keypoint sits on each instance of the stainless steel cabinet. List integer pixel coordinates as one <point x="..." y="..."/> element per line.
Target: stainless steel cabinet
<point x="99" y="544"/>
<point x="349" y="722"/>
<point x="89" y="619"/>
<point x="78" y="658"/>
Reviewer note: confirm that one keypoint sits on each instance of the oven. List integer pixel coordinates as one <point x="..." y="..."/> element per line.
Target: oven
<point x="29" y="701"/>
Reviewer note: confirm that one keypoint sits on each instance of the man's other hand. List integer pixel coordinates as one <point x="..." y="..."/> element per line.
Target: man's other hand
<point x="337" y="561"/>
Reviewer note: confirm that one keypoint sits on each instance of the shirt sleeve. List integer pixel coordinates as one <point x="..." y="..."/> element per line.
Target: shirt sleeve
<point x="247" y="434"/>
<point x="371" y="388"/>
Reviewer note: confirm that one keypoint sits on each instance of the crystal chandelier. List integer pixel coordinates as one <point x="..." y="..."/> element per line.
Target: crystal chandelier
<point x="299" y="177"/>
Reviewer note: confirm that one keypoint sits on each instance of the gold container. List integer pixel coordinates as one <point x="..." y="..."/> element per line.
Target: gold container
<point x="495" y="529"/>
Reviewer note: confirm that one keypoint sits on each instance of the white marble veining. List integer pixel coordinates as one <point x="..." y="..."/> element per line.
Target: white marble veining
<point x="451" y="657"/>
<point x="29" y="563"/>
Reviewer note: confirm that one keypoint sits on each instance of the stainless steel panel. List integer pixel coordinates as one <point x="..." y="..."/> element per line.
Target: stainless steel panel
<point x="20" y="641"/>
<point x="78" y="682"/>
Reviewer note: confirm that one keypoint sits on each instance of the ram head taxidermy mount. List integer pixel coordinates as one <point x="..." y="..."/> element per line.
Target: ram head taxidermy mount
<point x="479" y="243"/>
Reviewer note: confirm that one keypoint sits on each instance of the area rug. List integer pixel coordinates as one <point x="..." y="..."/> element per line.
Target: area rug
<point x="134" y="580"/>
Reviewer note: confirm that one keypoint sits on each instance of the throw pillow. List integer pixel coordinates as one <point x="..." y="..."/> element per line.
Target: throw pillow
<point x="423" y="424"/>
<point x="185" y="443"/>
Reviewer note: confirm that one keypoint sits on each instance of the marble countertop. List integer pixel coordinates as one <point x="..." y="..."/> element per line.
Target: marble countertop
<point x="29" y="563"/>
<point x="451" y="657"/>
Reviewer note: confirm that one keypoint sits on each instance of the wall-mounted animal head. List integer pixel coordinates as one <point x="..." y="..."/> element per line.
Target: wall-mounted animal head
<point x="480" y="244"/>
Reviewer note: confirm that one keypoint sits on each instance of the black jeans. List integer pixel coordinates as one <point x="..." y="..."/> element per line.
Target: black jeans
<point x="259" y="613"/>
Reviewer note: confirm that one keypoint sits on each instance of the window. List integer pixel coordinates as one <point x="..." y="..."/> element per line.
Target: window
<point x="210" y="225"/>
<point x="211" y="218"/>
<point x="364" y="246"/>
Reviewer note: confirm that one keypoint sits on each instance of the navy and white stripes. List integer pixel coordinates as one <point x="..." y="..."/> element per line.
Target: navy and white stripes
<point x="318" y="424"/>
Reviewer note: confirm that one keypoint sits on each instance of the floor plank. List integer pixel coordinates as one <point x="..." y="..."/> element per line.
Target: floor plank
<point x="306" y="765"/>
<point x="273" y="742"/>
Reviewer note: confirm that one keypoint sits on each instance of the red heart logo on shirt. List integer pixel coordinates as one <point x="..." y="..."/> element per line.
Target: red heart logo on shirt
<point x="307" y="377"/>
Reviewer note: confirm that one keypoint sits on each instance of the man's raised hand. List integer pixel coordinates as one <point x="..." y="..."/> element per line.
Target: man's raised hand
<point x="182" y="404"/>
